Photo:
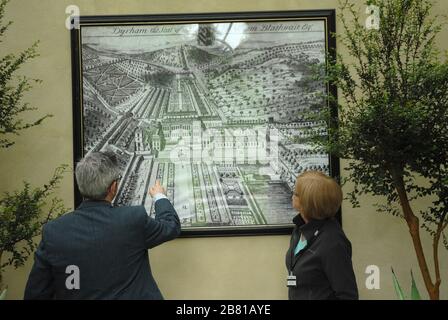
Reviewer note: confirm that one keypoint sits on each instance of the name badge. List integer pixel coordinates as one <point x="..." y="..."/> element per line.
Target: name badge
<point x="291" y="281"/>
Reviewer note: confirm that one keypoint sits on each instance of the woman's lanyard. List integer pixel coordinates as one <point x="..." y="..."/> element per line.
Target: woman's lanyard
<point x="291" y="280"/>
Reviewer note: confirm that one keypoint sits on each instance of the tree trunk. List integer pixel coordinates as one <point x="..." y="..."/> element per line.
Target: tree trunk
<point x="414" y="230"/>
<point x="1" y="273"/>
<point x="435" y="248"/>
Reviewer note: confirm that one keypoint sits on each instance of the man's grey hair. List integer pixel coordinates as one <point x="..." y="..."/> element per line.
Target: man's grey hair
<point x="95" y="173"/>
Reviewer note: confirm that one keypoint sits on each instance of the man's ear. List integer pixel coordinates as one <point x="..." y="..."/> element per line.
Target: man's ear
<point x="114" y="187"/>
<point x="112" y="190"/>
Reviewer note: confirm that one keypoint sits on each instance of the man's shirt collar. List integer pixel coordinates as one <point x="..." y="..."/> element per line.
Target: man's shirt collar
<point x="94" y="203"/>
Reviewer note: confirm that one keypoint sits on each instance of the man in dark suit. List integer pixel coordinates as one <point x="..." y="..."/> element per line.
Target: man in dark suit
<point x="100" y="251"/>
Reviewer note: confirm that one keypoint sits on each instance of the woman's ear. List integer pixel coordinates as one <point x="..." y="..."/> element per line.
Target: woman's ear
<point x="295" y="202"/>
<point x="297" y="205"/>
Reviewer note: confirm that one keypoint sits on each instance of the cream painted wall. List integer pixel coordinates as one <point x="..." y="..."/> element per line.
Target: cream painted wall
<point x="207" y="268"/>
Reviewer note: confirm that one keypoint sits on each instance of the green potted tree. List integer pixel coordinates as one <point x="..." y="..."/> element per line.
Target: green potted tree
<point x="22" y="212"/>
<point x="22" y="215"/>
<point x="393" y="115"/>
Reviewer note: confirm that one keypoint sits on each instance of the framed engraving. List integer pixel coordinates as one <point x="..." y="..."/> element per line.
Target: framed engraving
<point x="213" y="105"/>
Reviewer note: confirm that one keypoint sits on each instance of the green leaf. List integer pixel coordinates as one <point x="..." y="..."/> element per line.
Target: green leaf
<point x="3" y="295"/>
<point x="415" y="295"/>
<point x="397" y="287"/>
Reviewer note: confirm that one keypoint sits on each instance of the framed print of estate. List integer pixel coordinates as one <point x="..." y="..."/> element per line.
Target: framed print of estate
<point x="211" y="104"/>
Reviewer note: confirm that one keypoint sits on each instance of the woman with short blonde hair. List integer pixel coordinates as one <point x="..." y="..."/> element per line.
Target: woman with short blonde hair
<point x="319" y="257"/>
<point x="320" y="196"/>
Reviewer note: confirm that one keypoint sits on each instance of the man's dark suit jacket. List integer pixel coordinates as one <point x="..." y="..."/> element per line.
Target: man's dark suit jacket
<point x="109" y="245"/>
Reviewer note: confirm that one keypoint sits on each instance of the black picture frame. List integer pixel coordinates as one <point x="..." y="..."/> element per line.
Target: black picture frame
<point x="325" y="16"/>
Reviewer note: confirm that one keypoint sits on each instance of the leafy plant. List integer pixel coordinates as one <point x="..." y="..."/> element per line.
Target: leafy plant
<point x="23" y="212"/>
<point x="22" y="215"/>
<point x="393" y="115"/>
<point x="13" y="87"/>
<point x="415" y="294"/>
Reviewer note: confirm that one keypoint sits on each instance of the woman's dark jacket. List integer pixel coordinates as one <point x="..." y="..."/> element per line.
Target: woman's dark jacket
<point x="323" y="269"/>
